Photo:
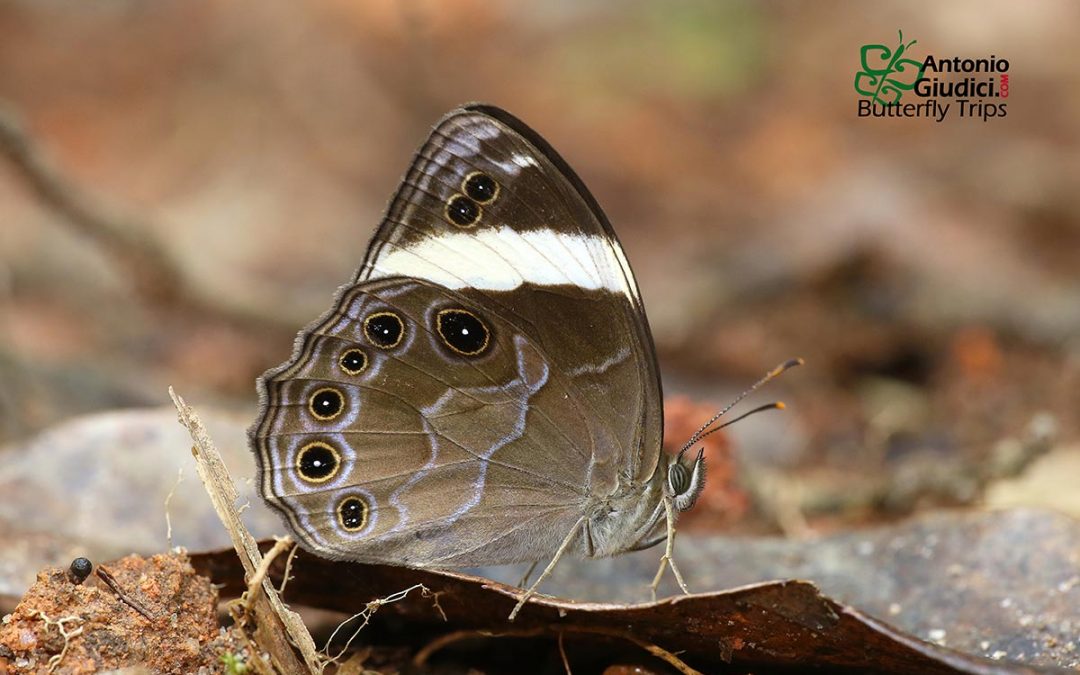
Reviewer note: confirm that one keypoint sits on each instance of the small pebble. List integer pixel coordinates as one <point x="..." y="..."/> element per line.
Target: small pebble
<point x="80" y="569"/>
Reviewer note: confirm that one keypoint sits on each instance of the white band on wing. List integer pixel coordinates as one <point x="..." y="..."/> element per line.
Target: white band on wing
<point x="501" y="259"/>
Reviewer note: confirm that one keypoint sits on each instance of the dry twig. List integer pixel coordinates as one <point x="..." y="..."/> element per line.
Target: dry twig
<point x="110" y="581"/>
<point x="277" y="628"/>
<point x="370" y="610"/>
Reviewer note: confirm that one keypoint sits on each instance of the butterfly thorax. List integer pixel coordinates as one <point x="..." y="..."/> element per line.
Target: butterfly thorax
<point x="632" y="518"/>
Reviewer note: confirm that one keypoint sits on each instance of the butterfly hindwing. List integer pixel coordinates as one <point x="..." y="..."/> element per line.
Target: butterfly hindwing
<point x="428" y="428"/>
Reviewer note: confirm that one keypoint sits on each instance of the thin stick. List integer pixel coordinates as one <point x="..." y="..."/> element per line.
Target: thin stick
<point x="280" y="544"/>
<point x="562" y="654"/>
<point x="288" y="627"/>
<point x="368" y="612"/>
<point x="113" y="584"/>
<point x="154" y="274"/>
<point x="168" y="499"/>
<point x="288" y="569"/>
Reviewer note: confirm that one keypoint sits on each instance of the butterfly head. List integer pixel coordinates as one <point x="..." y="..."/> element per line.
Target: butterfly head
<point x="686" y="479"/>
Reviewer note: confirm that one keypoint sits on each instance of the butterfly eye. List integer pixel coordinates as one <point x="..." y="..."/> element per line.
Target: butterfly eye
<point x="384" y="329"/>
<point x="480" y="187"/>
<point x="685" y="481"/>
<point x="462" y="331"/>
<point x="679" y="478"/>
<point x="352" y="513"/>
<point x="462" y="211"/>
<point x="317" y="462"/>
<point x="353" y="361"/>
<point x="326" y="404"/>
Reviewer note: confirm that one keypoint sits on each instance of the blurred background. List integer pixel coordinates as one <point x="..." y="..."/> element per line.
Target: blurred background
<point x="184" y="183"/>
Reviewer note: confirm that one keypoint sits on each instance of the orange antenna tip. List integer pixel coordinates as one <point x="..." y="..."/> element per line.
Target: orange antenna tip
<point x="790" y="363"/>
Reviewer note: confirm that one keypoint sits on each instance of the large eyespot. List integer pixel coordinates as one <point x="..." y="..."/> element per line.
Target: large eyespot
<point x="352" y="513"/>
<point x="384" y="329"/>
<point x="462" y="211"/>
<point x="326" y="404"/>
<point x="317" y="462"/>
<point x="354" y="361"/>
<point x="462" y="331"/>
<point x="480" y="187"/>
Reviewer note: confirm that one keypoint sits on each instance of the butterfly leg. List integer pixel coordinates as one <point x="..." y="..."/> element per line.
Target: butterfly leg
<point x="547" y="570"/>
<point x="528" y="573"/>
<point x="668" y="559"/>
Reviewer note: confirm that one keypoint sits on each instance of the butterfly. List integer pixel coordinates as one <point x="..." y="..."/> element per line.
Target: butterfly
<point x="485" y="391"/>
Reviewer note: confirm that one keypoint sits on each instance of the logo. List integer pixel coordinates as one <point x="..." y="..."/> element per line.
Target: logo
<point x="967" y="88"/>
<point x="886" y="75"/>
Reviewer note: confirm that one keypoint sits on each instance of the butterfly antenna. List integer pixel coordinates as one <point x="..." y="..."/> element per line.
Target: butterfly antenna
<point x="702" y="432"/>
<point x="775" y="405"/>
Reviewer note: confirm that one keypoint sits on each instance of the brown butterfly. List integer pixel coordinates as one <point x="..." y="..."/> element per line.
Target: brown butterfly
<point x="486" y="389"/>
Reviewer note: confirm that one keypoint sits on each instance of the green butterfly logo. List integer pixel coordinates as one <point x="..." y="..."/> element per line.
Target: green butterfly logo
<point x="885" y="74"/>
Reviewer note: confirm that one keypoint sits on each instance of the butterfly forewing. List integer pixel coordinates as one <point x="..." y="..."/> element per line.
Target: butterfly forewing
<point x="542" y="231"/>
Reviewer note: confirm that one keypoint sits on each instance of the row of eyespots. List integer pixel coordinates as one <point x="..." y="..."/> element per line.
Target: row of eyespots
<point x="384" y="329"/>
<point x="461" y="331"/>
<point x="326" y="403"/>
<point x="463" y="210"/>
